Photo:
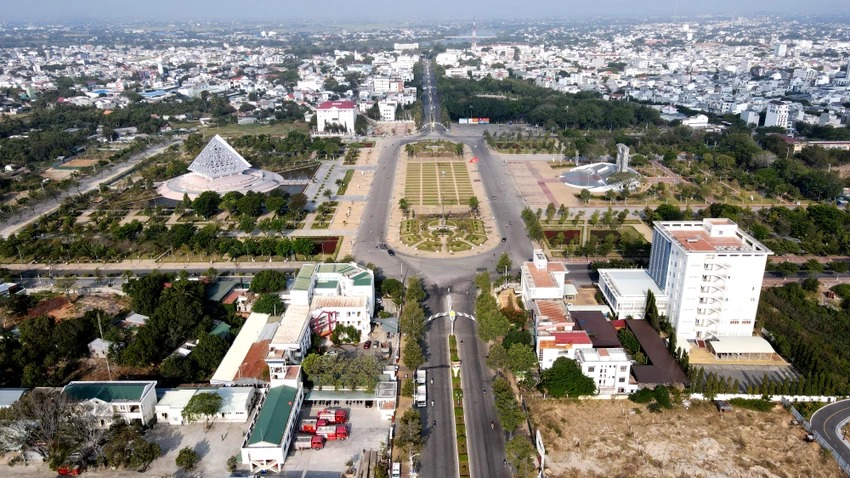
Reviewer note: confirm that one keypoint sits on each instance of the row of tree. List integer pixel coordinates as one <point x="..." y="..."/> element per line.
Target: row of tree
<point x="134" y="239"/>
<point x="412" y="324"/>
<point x="521" y="101"/>
<point x="492" y="322"/>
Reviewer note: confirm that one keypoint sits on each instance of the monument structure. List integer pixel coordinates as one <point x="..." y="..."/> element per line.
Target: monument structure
<point x="221" y="169"/>
<point x="622" y="158"/>
<point x="602" y="177"/>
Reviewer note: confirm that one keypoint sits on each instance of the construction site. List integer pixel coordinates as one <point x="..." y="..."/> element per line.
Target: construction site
<point x="619" y="438"/>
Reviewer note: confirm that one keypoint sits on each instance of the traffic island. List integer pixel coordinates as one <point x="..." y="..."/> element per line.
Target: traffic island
<point x="457" y="406"/>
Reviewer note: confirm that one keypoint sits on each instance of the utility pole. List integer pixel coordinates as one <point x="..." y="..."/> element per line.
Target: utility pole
<point x="100" y="328"/>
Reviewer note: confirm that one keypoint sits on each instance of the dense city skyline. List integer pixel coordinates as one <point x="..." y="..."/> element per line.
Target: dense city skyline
<point x="382" y="10"/>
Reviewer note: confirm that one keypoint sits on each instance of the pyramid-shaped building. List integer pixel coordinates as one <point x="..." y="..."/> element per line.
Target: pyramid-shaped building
<point x="221" y="169"/>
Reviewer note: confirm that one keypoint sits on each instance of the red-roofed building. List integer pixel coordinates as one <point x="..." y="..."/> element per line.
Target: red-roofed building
<point x="543" y="279"/>
<point x="561" y="344"/>
<point x="336" y="117"/>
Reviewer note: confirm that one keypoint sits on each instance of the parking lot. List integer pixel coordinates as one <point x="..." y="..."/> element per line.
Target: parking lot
<point x="751" y="374"/>
<point x="366" y="432"/>
<point x="214" y="446"/>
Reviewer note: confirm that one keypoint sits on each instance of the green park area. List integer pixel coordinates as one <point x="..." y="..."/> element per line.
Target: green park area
<point x="437" y="183"/>
<point x="432" y="234"/>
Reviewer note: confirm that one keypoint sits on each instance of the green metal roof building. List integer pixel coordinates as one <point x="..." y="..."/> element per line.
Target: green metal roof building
<point x="132" y="400"/>
<point x="273" y="429"/>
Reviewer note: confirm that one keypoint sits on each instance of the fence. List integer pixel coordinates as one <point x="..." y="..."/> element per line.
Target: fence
<point x="785" y="399"/>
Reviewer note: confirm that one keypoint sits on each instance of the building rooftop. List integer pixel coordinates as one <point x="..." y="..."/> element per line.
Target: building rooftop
<point x="327" y="284"/>
<point x="338" y="301"/>
<point x="662" y="368"/>
<point x="598" y="328"/>
<point x="631" y="282"/>
<point x="552" y="313"/>
<point x="565" y="339"/>
<point x="304" y="277"/>
<point x="8" y="396"/>
<point x="539" y="277"/>
<point x="603" y="355"/>
<point x="293" y="322"/>
<point x="710" y="235"/>
<point x="740" y="345"/>
<point x="136" y="319"/>
<point x="271" y="422"/>
<point x="236" y="355"/>
<point x="218" y="290"/>
<point x="116" y="391"/>
<point x="340" y="104"/>
<point x="233" y="399"/>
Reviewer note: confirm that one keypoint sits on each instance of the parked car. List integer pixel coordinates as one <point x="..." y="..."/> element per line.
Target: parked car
<point x="367" y="345"/>
<point x="390" y="252"/>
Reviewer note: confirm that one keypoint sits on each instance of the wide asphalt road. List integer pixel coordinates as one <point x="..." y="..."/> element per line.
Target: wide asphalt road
<point x="826" y="421"/>
<point x="439" y="457"/>
<point x="486" y="445"/>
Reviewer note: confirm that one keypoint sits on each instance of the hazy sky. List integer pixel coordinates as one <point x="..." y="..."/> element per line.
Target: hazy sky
<point x="412" y="10"/>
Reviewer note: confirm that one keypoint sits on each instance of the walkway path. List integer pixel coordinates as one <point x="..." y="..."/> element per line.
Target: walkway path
<point x="87" y="184"/>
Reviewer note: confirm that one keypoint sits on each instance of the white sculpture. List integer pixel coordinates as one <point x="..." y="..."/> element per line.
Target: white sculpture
<point x="622" y="158"/>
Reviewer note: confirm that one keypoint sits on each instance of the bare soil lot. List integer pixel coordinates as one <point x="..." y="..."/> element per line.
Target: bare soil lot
<point x="596" y="438"/>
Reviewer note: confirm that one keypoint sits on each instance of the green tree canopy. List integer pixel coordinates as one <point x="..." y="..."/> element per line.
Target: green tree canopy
<point x="206" y="204"/>
<point x="521" y="358"/>
<point x="565" y="379"/>
<point x="268" y="281"/>
<point x="268" y="304"/>
<point x="202" y="405"/>
<point x="187" y="458"/>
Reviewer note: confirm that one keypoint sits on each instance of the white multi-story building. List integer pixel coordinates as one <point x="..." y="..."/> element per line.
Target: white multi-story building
<point x="544" y="279"/>
<point x="341" y="113"/>
<point x="291" y="340"/>
<point x="387" y="109"/>
<point x="777" y="114"/>
<point x="609" y="368"/>
<point x="381" y="84"/>
<point x="336" y="294"/>
<point x="127" y="400"/>
<point x="706" y="276"/>
<point x="711" y="272"/>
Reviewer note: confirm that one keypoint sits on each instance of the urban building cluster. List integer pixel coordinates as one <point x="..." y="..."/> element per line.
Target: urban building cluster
<point x="256" y="80"/>
<point x="767" y="74"/>
<point x="704" y="277"/>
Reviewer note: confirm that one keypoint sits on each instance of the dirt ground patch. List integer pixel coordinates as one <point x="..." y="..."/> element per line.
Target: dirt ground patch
<point x="597" y="438"/>
<point x="507" y="298"/>
<point x="93" y="369"/>
<point x="57" y="307"/>
<point x="79" y="163"/>
<point x="61" y="308"/>
<point x="586" y="296"/>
